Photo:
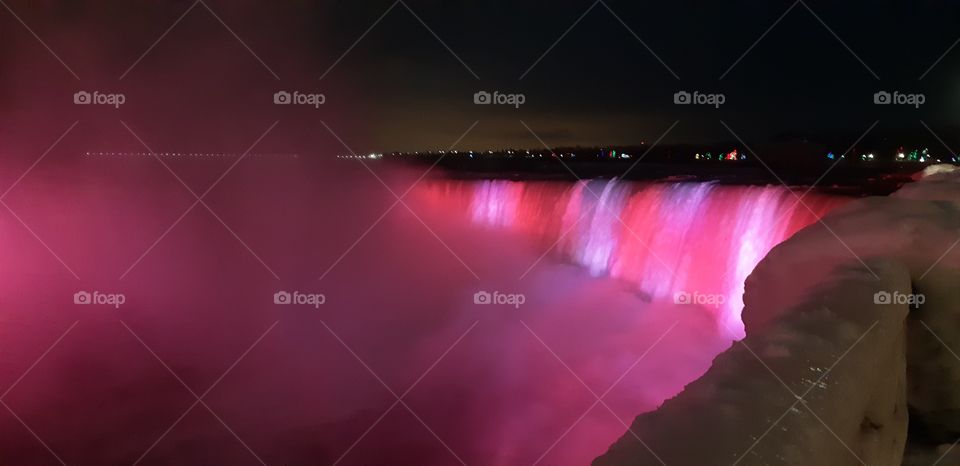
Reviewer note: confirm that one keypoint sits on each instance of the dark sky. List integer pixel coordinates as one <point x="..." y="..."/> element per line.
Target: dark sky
<point x="400" y="88"/>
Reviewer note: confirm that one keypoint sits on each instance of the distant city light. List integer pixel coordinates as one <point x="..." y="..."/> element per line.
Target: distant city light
<point x="901" y="155"/>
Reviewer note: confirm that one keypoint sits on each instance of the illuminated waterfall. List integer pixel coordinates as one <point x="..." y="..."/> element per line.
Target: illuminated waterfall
<point x="670" y="240"/>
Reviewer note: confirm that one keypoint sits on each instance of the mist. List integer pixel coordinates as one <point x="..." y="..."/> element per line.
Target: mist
<point x="198" y="200"/>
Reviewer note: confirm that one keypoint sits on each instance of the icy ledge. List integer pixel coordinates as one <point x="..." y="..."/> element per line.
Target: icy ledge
<point x="826" y="374"/>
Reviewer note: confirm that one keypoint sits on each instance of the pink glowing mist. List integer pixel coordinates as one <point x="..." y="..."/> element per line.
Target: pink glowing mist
<point x="299" y="385"/>
<point x="490" y="384"/>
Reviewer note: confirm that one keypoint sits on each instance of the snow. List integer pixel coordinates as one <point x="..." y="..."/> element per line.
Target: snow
<point x="826" y="372"/>
<point x="740" y="412"/>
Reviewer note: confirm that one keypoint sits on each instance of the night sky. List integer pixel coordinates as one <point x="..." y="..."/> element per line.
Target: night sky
<point x="407" y="85"/>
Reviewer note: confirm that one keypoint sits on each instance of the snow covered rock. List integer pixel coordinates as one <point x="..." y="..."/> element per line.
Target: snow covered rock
<point x="873" y="286"/>
<point x="936" y="170"/>
<point x="825" y="384"/>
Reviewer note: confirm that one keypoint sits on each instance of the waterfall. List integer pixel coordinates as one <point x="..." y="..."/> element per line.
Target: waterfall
<point x="690" y="243"/>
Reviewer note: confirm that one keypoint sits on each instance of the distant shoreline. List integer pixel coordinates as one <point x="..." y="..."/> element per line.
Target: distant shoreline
<point x="850" y="179"/>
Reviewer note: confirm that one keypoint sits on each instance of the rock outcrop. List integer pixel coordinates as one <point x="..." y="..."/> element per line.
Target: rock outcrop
<point x="852" y="340"/>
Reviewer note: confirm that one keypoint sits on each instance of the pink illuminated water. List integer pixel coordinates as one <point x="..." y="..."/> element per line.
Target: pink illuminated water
<point x="493" y="385"/>
<point x="671" y="241"/>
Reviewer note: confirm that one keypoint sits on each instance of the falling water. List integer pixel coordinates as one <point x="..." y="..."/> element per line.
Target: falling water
<point x="672" y="241"/>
